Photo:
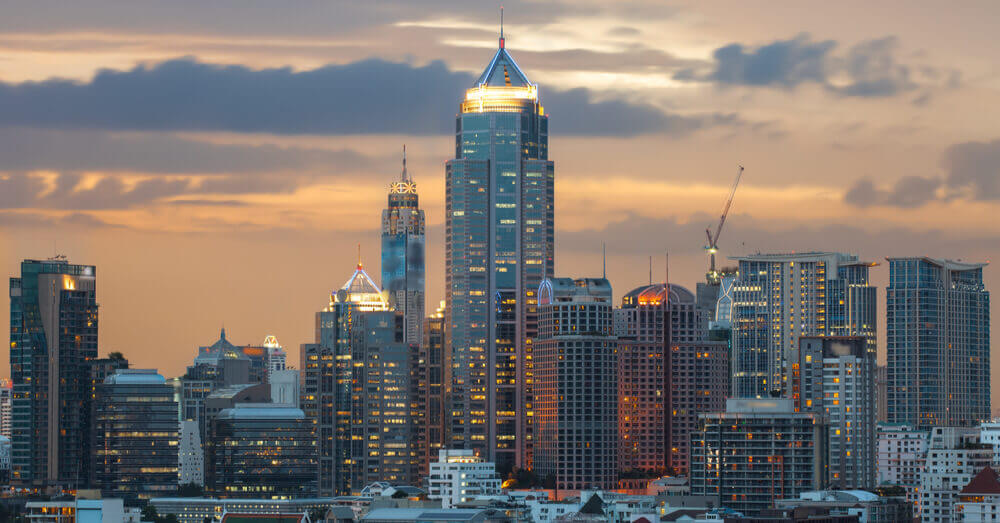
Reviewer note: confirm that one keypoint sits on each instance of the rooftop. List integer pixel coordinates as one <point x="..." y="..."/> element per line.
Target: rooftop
<point x="135" y="377"/>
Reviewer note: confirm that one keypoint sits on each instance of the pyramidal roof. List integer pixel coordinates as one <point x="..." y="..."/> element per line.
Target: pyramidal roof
<point x="361" y="283"/>
<point x="986" y="482"/>
<point x="502" y="70"/>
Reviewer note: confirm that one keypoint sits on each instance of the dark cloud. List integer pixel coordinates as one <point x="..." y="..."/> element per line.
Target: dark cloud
<point x="864" y="194"/>
<point x="26" y="220"/>
<point x="367" y="97"/>
<point x="30" y="191"/>
<point x="25" y="149"/>
<point x="622" y="31"/>
<point x="974" y="169"/>
<point x="868" y="69"/>
<point x="907" y="192"/>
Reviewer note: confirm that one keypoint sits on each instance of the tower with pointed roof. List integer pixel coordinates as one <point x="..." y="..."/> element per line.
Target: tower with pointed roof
<point x="499" y="247"/>
<point x="403" y="254"/>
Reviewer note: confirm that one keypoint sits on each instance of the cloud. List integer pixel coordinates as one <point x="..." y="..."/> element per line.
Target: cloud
<point x="907" y="192"/>
<point x="25" y="149"/>
<point x="974" y="169"/>
<point x="366" y="97"/>
<point x="69" y="192"/>
<point x="868" y="69"/>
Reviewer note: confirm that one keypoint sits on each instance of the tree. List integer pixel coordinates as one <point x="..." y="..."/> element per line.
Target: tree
<point x="149" y="513"/>
<point x="116" y="356"/>
<point x="317" y="514"/>
<point x="190" y="490"/>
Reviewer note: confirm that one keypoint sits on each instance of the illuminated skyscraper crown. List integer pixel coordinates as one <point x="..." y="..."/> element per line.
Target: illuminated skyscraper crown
<point x="362" y="291"/>
<point x="502" y="87"/>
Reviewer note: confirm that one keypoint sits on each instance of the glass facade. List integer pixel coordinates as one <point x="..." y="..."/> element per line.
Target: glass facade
<point x="499" y="247"/>
<point x="403" y="254"/>
<point x="779" y="297"/>
<point x="938" y="343"/>
<point x="53" y="337"/>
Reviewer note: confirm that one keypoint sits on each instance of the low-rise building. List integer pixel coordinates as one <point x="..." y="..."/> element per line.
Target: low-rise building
<point x="979" y="501"/>
<point x="459" y="476"/>
<point x="107" y="510"/>
<point x="901" y="454"/>
<point x="420" y="515"/>
<point x="196" y="510"/>
<point x="955" y="455"/>
<point x="869" y="507"/>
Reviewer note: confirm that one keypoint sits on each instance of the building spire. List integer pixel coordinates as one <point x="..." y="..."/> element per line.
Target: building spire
<point x="359" y="256"/>
<point x="404" y="177"/>
<point x="501" y="28"/>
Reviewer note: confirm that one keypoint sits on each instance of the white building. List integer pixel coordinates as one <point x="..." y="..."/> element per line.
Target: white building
<point x="276" y="356"/>
<point x="545" y="511"/>
<point x="989" y="433"/>
<point x="190" y="455"/>
<point x="979" y="501"/>
<point x="458" y="476"/>
<point x="902" y="452"/>
<point x="108" y="510"/>
<point x="955" y="456"/>
<point x="6" y="404"/>
<point x="285" y="387"/>
<point x="4" y="457"/>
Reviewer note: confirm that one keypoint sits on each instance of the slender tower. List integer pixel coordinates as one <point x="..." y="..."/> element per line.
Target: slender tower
<point x="499" y="248"/>
<point x="403" y="254"/>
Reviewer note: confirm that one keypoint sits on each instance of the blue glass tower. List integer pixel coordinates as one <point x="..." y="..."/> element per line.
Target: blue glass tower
<point x="938" y="343"/>
<point x="499" y="248"/>
<point x="403" y="254"/>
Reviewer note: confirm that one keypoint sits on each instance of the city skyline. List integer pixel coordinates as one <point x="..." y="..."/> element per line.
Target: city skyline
<point x="156" y="256"/>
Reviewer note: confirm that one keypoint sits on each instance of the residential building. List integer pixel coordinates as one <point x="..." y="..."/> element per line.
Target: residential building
<point x="422" y="515"/>
<point x="869" y="507"/>
<point x="882" y="392"/>
<point x="499" y="246"/>
<point x="576" y="385"/>
<point x="938" y="341"/>
<point x="190" y="454"/>
<point x="198" y="510"/>
<point x="261" y="450"/>
<point x="979" y="500"/>
<point x="648" y="322"/>
<point x="403" y="254"/>
<point x="80" y="510"/>
<point x="382" y="406"/>
<point x="779" y="297"/>
<point x="834" y="378"/>
<point x="6" y="404"/>
<point x="327" y="373"/>
<point x="955" y="456"/>
<point x="459" y="476"/>
<point x="756" y="452"/>
<point x="137" y="436"/>
<point x="433" y="378"/>
<point x="53" y="336"/>
<point x="902" y="454"/>
<point x="4" y="460"/>
<point x="697" y="383"/>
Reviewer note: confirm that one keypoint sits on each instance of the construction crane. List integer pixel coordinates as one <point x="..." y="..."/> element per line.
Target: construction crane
<point x="713" y="240"/>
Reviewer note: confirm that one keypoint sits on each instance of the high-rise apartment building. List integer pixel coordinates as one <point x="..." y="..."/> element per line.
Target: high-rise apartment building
<point x="938" y="343"/>
<point x="902" y="453"/>
<point x="756" y="452"/>
<point x="327" y="370"/>
<point x="576" y="385"/>
<point x="779" y="297"/>
<point x="137" y="436"/>
<point x="459" y="476"/>
<point x="53" y="336"/>
<point x="6" y="405"/>
<point x="383" y="407"/>
<point x="403" y="254"/>
<point x="834" y="378"/>
<point x="499" y="233"/>
<point x="433" y="379"/>
<point x="661" y="341"/>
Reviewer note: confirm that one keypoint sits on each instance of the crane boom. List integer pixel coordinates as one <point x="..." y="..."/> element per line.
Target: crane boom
<point x="725" y="210"/>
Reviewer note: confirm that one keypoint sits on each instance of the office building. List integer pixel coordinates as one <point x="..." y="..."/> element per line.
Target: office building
<point x="576" y="385"/>
<point x="756" y="452"/>
<point x="261" y="450"/>
<point x="499" y="234"/>
<point x="902" y="454"/>
<point x="938" y="343"/>
<point x="403" y="254"/>
<point x="276" y="357"/>
<point x="433" y="377"/>
<point x="327" y="373"/>
<point x="834" y="378"/>
<point x="6" y="405"/>
<point x="285" y="387"/>
<point x="53" y="335"/>
<point x="199" y="510"/>
<point x="228" y="397"/>
<point x="779" y="297"/>
<point x="137" y="436"/>
<point x="459" y="476"/>
<point x="882" y="393"/>
<point x="190" y="455"/>
<point x="382" y="413"/>
<point x="659" y="338"/>
<point x="955" y="456"/>
<point x="979" y="500"/>
<point x="216" y="366"/>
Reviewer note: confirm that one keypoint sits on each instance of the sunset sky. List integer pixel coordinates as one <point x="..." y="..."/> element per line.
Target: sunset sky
<point x="219" y="162"/>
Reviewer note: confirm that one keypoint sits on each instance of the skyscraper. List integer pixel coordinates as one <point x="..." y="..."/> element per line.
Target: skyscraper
<point x="53" y="336"/>
<point x="576" y="385"/>
<point x="938" y="341"/>
<point x="403" y="254"/>
<point x="779" y="297"/>
<point x="499" y="230"/>
<point x="433" y="377"/>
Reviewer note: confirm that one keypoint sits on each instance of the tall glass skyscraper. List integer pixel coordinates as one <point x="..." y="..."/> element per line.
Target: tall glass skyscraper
<point x="938" y="343"/>
<point x="779" y="297"/>
<point x="499" y="248"/>
<point x="53" y="339"/>
<point x="403" y="254"/>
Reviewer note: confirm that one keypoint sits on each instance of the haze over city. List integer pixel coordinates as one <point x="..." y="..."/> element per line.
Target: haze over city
<point x="219" y="164"/>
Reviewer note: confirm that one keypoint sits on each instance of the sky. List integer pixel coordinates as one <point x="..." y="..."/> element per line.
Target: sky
<point x="220" y="162"/>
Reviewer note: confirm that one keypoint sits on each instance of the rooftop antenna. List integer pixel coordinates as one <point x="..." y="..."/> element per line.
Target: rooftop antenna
<point x="501" y="28"/>
<point x="666" y="275"/>
<point x="604" y="260"/>
<point x="404" y="177"/>
<point x="359" y="256"/>
<point x="650" y="270"/>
